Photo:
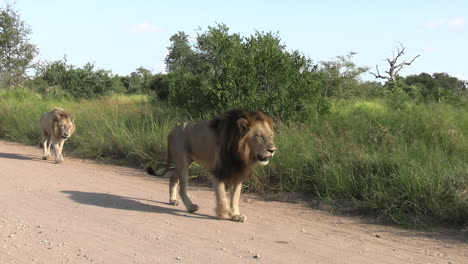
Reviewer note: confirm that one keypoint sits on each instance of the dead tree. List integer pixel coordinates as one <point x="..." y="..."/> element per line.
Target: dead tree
<point x="394" y="68"/>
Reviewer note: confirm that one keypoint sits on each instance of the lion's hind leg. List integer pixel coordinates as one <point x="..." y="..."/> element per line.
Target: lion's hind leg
<point x="182" y="171"/>
<point x="173" y="185"/>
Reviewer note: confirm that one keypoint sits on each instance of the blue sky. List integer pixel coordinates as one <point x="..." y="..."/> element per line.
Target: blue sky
<point x="123" y="35"/>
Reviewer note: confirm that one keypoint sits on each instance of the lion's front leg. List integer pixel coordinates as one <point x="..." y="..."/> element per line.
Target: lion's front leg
<point x="49" y="144"/>
<point x="222" y="210"/>
<point x="58" y="145"/>
<point x="44" y="148"/>
<point x="235" y="191"/>
<point x="46" y="141"/>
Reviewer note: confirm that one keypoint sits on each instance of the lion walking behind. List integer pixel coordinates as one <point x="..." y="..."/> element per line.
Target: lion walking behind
<point x="231" y="145"/>
<point x="56" y="127"/>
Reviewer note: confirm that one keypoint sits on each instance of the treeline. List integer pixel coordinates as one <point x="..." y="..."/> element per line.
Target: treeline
<point x="62" y="79"/>
<point x="218" y="71"/>
<point x="198" y="80"/>
<point x="223" y="70"/>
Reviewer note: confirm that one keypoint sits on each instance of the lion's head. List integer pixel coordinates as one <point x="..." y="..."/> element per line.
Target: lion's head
<point x="245" y="139"/>
<point x="257" y="136"/>
<point x="64" y="123"/>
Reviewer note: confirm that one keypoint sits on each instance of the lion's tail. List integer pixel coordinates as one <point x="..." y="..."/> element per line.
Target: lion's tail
<point x="150" y="171"/>
<point x="41" y="145"/>
<point x="168" y="168"/>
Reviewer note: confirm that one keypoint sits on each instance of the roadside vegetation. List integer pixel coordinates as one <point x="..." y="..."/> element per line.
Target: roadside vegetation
<point x="397" y="149"/>
<point x="407" y="164"/>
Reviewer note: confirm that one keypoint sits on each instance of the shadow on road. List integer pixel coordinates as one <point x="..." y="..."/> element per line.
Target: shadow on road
<point x="128" y="203"/>
<point x="19" y="156"/>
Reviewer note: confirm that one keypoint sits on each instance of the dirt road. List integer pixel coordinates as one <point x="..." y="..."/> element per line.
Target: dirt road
<point x="82" y="212"/>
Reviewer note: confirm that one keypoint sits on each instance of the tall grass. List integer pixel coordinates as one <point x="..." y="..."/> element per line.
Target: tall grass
<point x="409" y="164"/>
<point x="118" y="127"/>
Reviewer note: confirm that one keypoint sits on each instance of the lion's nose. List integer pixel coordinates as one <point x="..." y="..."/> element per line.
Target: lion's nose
<point x="272" y="150"/>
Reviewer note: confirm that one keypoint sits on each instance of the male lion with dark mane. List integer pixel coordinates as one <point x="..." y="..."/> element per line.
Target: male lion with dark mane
<point x="231" y="145"/>
<point x="56" y="127"/>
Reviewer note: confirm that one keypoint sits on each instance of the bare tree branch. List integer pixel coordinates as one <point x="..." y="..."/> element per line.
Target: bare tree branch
<point x="400" y="66"/>
<point x="394" y="68"/>
<point x="377" y="76"/>
<point x="409" y="63"/>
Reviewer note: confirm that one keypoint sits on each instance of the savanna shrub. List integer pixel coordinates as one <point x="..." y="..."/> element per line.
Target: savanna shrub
<point x="159" y="84"/>
<point x="138" y="82"/>
<point x="342" y="78"/>
<point x="85" y="82"/>
<point x="438" y="87"/>
<point x="224" y="70"/>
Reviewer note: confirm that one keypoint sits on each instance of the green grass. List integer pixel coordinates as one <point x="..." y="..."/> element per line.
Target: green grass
<point x="118" y="127"/>
<point x="407" y="164"/>
<point x="410" y="165"/>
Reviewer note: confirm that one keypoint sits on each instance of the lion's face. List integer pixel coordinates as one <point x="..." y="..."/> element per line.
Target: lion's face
<point x="66" y="127"/>
<point x="261" y="143"/>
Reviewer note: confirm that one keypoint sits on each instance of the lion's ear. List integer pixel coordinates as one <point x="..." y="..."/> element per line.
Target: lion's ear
<point x="56" y="117"/>
<point x="243" y="125"/>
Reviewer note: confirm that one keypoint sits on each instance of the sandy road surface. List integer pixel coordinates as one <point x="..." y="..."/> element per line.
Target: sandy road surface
<point x="81" y="212"/>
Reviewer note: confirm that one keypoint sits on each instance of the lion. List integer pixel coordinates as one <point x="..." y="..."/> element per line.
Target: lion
<point x="231" y="145"/>
<point x="56" y="127"/>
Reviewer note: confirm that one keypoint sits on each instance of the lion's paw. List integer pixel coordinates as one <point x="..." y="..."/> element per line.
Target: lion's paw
<point x="239" y="218"/>
<point x="57" y="161"/>
<point x="173" y="202"/>
<point x="222" y="213"/>
<point x="192" y="208"/>
<point x="44" y="158"/>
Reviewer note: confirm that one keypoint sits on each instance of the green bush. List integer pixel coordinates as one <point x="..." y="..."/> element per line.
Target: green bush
<point x="159" y="84"/>
<point x="436" y="88"/>
<point x="342" y="78"/>
<point x="224" y="71"/>
<point x="85" y="82"/>
<point x="138" y="82"/>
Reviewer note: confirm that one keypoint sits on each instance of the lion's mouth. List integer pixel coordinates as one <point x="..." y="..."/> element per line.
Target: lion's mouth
<point x="262" y="158"/>
<point x="65" y="137"/>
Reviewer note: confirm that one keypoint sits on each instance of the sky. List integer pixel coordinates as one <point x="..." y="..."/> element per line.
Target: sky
<point x="121" y="35"/>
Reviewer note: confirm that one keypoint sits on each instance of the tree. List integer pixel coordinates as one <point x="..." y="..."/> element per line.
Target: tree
<point x="448" y="82"/>
<point x="16" y="51"/>
<point x="341" y="76"/>
<point x="138" y="81"/>
<point x="180" y="52"/>
<point x="85" y="82"/>
<point x="224" y="70"/>
<point x="160" y="84"/>
<point x="439" y="86"/>
<point x="394" y="67"/>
